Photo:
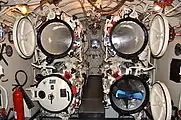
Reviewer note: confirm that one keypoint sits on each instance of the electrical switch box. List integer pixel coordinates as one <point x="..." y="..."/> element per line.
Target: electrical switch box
<point x="175" y="70"/>
<point x="63" y="93"/>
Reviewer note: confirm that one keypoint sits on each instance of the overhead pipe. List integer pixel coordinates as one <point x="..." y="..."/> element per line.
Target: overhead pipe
<point x="72" y="9"/>
<point x="108" y="12"/>
<point x="4" y="10"/>
<point x="171" y="10"/>
<point x="20" y="3"/>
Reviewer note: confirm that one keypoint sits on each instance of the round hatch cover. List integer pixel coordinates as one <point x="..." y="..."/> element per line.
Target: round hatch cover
<point x="129" y="95"/>
<point x="54" y="94"/>
<point x="24" y="37"/>
<point x="3" y="98"/>
<point x="55" y="38"/>
<point x="129" y="37"/>
<point x="159" y="35"/>
<point x="160" y="102"/>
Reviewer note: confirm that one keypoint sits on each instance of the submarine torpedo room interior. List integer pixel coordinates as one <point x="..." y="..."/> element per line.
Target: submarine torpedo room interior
<point x="90" y="59"/>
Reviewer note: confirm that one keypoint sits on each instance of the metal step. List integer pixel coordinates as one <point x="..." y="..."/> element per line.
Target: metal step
<point x="92" y="106"/>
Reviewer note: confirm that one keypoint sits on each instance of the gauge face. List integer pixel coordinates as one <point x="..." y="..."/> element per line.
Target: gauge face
<point x="129" y="37"/>
<point x="24" y="37"/>
<point x="159" y="35"/>
<point x="129" y="95"/>
<point x="95" y="44"/>
<point x="54" y="94"/>
<point x="160" y="102"/>
<point x="55" y="38"/>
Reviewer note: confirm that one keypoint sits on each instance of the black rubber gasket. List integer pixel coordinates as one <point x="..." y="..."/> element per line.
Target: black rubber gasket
<point x="145" y="102"/>
<point x="133" y="55"/>
<point x="39" y="32"/>
<point x="59" y="76"/>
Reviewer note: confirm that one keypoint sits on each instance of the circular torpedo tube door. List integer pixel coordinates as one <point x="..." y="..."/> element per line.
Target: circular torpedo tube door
<point x="128" y="37"/>
<point x="160" y="102"/>
<point x="54" y="94"/>
<point x="129" y="95"/>
<point x="55" y="38"/>
<point x="158" y="35"/>
<point x="24" y="37"/>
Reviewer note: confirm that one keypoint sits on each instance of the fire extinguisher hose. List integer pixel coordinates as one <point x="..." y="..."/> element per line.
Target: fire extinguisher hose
<point x="28" y="101"/>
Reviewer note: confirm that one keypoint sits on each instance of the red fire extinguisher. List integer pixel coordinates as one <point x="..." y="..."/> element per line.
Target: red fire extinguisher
<point x="18" y="104"/>
<point x="18" y="95"/>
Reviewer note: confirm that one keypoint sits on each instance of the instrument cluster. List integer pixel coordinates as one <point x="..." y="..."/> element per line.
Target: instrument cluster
<point x="60" y="71"/>
<point x="117" y="49"/>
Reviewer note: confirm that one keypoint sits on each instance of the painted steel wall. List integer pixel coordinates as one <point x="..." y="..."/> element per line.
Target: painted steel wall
<point x="15" y="63"/>
<point x="163" y="67"/>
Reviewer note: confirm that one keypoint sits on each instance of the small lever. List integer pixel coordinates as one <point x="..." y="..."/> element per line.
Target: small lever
<point x="51" y="97"/>
<point x="180" y="71"/>
<point x="42" y="66"/>
<point x="68" y="95"/>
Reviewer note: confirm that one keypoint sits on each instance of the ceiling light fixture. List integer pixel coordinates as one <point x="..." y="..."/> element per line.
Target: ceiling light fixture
<point x="24" y="9"/>
<point x="157" y="8"/>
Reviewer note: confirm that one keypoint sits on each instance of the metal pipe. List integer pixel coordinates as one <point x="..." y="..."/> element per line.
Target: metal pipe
<point x="18" y="3"/>
<point x="178" y="5"/>
<point x="108" y="12"/>
<point x="4" y="10"/>
<point x="72" y="9"/>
